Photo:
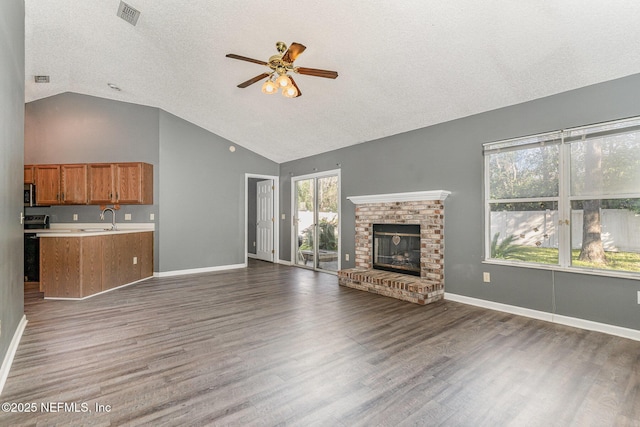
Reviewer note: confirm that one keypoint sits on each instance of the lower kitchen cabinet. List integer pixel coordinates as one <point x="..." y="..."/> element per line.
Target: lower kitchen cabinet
<point x="77" y="267"/>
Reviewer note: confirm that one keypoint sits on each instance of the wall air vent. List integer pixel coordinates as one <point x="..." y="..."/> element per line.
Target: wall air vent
<point x="41" y="79"/>
<point x="128" y="13"/>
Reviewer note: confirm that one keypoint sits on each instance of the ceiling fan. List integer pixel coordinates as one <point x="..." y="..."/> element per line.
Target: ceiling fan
<point x="281" y="65"/>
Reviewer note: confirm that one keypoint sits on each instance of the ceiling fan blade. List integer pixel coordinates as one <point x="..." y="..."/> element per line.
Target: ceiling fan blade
<point x="292" y="53"/>
<point x="316" y="72"/>
<point x="253" y="80"/>
<point x="244" y="58"/>
<point x="293" y="82"/>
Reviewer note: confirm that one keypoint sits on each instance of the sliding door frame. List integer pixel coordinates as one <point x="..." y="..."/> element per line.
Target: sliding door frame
<point x="294" y="237"/>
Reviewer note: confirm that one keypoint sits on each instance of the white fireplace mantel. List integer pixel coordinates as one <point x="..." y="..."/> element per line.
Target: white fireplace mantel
<point x="400" y="197"/>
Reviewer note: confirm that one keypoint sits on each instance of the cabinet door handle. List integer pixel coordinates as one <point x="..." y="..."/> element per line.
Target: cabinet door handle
<point x="63" y="197"/>
<point x="117" y="196"/>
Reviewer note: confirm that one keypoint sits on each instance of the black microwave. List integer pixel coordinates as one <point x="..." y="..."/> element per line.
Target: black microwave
<point x="29" y="195"/>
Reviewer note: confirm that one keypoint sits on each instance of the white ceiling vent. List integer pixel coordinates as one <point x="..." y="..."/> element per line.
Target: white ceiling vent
<point x="128" y="13"/>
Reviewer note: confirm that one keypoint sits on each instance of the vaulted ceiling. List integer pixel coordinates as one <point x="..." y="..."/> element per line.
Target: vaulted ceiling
<point x="402" y="65"/>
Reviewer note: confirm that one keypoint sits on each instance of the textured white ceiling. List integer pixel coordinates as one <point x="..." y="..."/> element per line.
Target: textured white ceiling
<point x="402" y="65"/>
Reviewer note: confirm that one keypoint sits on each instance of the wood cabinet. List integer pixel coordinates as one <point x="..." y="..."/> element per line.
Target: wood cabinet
<point x="122" y="183"/>
<point x="77" y="267"/>
<point x="47" y="179"/>
<point x="134" y="183"/>
<point x="94" y="184"/>
<point x="73" y="183"/>
<point x="109" y="265"/>
<point x="146" y="253"/>
<point x="122" y="255"/>
<point x="101" y="183"/>
<point x="29" y="177"/>
<point x="60" y="266"/>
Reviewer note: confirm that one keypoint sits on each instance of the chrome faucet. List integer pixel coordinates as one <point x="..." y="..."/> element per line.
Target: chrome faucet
<point x="113" y="220"/>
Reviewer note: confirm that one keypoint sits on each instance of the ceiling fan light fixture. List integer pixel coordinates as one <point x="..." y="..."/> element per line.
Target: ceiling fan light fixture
<point x="280" y="66"/>
<point x="283" y="81"/>
<point x="289" y="91"/>
<point x="269" y="87"/>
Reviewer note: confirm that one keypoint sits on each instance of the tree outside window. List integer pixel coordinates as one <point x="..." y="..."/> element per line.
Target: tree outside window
<point x="582" y="212"/>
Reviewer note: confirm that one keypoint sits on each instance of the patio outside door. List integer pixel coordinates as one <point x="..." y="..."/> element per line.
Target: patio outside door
<point x="316" y="224"/>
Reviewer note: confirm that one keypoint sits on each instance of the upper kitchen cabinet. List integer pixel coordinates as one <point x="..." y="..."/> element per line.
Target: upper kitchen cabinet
<point x="101" y="183"/>
<point x="29" y="175"/>
<point x="47" y="179"/>
<point x="134" y="183"/>
<point x="73" y="182"/>
<point x="122" y="183"/>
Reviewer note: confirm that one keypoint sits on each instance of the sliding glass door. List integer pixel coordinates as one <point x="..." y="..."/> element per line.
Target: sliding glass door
<point x="316" y="222"/>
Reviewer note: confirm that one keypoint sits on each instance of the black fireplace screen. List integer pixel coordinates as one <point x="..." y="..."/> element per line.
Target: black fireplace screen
<point x="396" y="247"/>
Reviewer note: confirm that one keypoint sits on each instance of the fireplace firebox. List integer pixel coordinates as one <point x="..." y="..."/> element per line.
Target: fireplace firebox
<point x="396" y="247"/>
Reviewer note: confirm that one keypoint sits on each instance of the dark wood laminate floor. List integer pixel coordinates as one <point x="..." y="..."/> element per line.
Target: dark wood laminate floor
<point x="277" y="345"/>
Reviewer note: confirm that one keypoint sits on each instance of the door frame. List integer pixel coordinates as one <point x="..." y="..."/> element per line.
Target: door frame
<point x="333" y="172"/>
<point x="276" y="214"/>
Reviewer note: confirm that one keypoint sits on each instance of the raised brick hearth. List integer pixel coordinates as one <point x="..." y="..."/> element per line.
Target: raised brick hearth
<point x="423" y="208"/>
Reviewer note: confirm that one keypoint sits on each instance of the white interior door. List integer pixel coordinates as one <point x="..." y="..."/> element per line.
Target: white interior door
<point x="265" y="220"/>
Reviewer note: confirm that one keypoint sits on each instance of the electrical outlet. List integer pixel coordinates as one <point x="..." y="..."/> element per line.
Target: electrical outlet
<point x="75" y="217"/>
<point x="346" y="257"/>
<point x="638" y="297"/>
<point x="152" y="217"/>
<point x="486" y="277"/>
<point x="254" y="244"/>
<point x="283" y="216"/>
<point x="135" y="260"/>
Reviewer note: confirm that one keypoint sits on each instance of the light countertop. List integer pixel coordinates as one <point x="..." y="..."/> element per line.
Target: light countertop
<point x="90" y="229"/>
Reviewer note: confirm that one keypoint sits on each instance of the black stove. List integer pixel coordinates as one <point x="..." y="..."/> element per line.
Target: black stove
<point x="32" y="246"/>
<point x="36" y="222"/>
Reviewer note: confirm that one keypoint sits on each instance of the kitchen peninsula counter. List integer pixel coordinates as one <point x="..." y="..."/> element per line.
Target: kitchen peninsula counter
<point x="81" y="260"/>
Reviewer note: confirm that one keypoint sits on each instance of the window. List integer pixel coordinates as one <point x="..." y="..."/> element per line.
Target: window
<point x="569" y="199"/>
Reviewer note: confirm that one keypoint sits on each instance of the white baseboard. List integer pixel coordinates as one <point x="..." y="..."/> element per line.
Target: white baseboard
<point x="198" y="270"/>
<point x="284" y="262"/>
<point x="11" y="352"/>
<point x="619" y="331"/>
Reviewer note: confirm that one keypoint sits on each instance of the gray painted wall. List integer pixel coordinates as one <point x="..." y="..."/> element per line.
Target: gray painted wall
<point x="448" y="156"/>
<point x="198" y="182"/>
<point x="11" y="158"/>
<point x="202" y="199"/>
<point x="74" y="128"/>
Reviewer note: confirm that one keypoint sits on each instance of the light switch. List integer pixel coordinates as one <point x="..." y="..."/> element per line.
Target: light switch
<point x="152" y="217"/>
<point x="127" y="217"/>
<point x="75" y="217"/>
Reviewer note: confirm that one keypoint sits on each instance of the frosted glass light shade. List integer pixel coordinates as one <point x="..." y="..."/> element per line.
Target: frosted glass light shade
<point x="283" y="81"/>
<point x="269" y="87"/>
<point x="290" y="92"/>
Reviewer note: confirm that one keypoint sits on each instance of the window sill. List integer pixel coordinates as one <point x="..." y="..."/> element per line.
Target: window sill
<point x="592" y="272"/>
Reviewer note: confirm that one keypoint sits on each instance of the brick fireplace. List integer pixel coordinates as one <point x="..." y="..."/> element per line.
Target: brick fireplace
<point x="425" y="208"/>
